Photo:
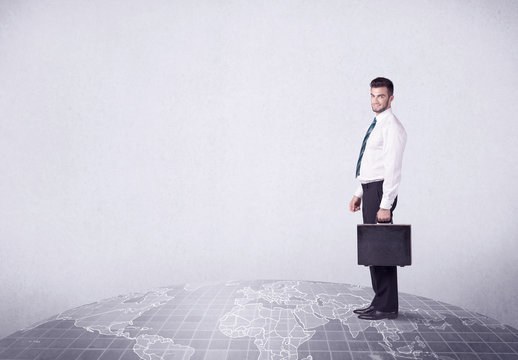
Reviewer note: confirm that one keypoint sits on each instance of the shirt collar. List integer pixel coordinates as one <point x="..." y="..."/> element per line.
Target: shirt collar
<point x="384" y="114"/>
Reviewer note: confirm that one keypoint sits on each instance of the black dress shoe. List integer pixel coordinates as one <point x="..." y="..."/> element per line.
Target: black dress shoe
<point x="366" y="310"/>
<point x="378" y="315"/>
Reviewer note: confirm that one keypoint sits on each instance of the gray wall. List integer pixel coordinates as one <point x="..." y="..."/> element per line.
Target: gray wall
<point x="146" y="144"/>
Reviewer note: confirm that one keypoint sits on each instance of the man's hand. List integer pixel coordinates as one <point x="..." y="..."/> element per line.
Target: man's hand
<point x="355" y="203"/>
<point x="383" y="215"/>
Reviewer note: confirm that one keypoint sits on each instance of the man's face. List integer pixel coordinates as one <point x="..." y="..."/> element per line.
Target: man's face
<point x="380" y="101"/>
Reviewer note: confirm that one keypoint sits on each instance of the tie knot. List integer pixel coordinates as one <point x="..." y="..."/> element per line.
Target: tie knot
<point x="374" y="121"/>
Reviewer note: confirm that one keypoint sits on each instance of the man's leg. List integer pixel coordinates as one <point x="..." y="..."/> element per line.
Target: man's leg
<point x="370" y="209"/>
<point x="383" y="278"/>
<point x="370" y="206"/>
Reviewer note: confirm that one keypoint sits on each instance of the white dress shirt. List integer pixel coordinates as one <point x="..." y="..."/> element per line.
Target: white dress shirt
<point x="383" y="157"/>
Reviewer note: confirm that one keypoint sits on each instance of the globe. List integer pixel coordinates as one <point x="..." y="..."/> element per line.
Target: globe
<point x="260" y="320"/>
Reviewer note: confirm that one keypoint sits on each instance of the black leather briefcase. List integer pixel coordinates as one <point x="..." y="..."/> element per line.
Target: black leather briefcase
<point x="384" y="245"/>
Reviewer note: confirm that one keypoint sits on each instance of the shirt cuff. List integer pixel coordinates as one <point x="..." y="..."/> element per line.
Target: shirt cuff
<point x="359" y="192"/>
<point x="386" y="204"/>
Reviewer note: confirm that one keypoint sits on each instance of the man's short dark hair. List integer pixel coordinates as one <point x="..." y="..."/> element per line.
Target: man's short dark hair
<point x="383" y="82"/>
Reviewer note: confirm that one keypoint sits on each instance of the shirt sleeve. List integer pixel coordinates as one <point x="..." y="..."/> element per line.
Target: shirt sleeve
<point x="393" y="147"/>
<point x="359" y="191"/>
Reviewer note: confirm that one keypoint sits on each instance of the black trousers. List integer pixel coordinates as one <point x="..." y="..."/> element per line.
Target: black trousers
<point x="384" y="278"/>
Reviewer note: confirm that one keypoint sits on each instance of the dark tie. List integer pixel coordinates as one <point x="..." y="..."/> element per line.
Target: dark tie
<point x="358" y="165"/>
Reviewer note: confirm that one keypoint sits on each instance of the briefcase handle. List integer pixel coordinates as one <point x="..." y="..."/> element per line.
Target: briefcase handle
<point x="383" y="222"/>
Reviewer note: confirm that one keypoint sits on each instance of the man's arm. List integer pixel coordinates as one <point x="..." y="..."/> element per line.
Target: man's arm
<point x="394" y="145"/>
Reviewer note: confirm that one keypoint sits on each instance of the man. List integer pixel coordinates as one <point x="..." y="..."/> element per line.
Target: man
<point x="379" y="172"/>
